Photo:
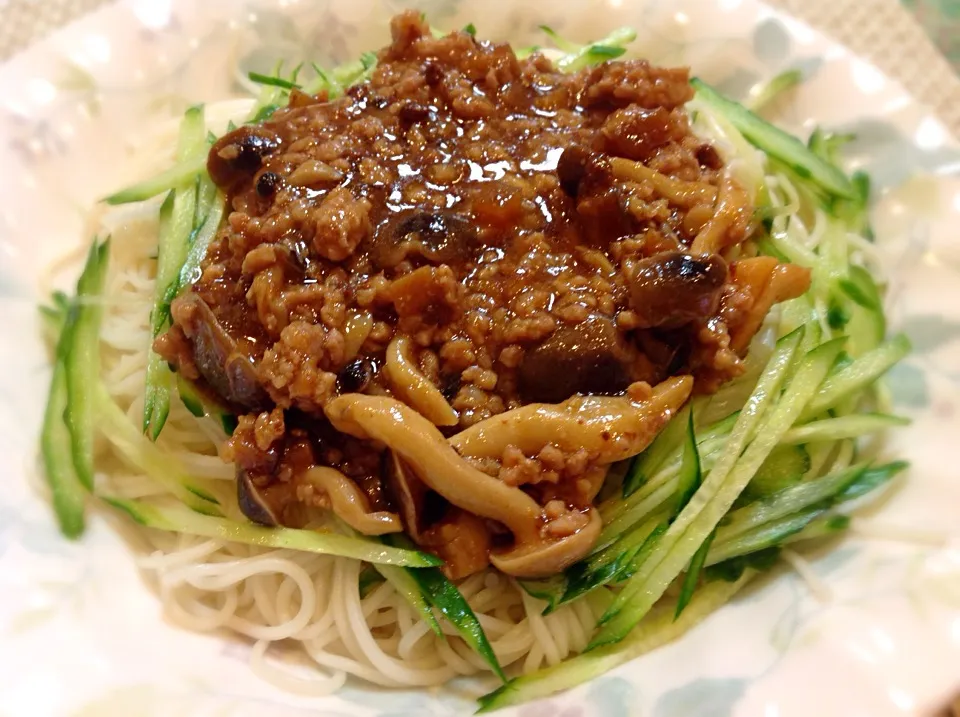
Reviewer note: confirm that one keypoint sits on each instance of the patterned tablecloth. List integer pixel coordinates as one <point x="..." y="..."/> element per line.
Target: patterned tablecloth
<point x="915" y="41"/>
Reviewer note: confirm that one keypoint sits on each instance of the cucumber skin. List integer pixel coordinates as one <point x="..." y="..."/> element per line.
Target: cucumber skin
<point x="778" y="144"/>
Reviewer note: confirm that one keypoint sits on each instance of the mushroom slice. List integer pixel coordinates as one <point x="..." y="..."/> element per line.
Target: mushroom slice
<point x="409" y="493"/>
<point x="439" y="237"/>
<point x="672" y="289"/>
<point x="350" y="503"/>
<point x="546" y="557"/>
<point x="590" y="357"/>
<point x="253" y="502"/>
<point x="420" y="444"/>
<point x="219" y="359"/>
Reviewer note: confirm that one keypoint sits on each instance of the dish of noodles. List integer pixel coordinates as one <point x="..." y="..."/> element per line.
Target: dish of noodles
<point x="468" y="359"/>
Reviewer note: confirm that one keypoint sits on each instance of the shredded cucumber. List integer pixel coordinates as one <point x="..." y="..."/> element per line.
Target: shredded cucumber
<point x="784" y="466"/>
<point x="724" y="483"/>
<point x="777" y="144"/>
<point x="442" y="594"/>
<point x="176" y="229"/>
<point x="773" y="89"/>
<point x="858" y="375"/>
<point x="81" y="360"/>
<point x="407" y="586"/>
<point x="182" y="520"/>
<point x="835" y="429"/>
<point x="203" y="405"/>
<point x="182" y="173"/>
<point x="652" y="634"/>
<point x="650" y="461"/>
<point x="146" y="456"/>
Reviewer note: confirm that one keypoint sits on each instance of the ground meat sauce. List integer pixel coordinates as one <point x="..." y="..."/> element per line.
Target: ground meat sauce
<point x="463" y="198"/>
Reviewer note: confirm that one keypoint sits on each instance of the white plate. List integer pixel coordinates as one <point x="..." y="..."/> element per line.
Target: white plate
<point x="81" y="635"/>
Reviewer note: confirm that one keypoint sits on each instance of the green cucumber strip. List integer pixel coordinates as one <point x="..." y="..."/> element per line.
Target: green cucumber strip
<point x="776" y="143"/>
<point x="768" y="535"/>
<point x="263" y="112"/>
<point x="690" y="477"/>
<point x="204" y="405"/>
<point x="550" y="590"/>
<point x="560" y="42"/>
<point x="648" y="545"/>
<point x="621" y="514"/>
<point x="146" y="456"/>
<point x="66" y="490"/>
<point x="270" y="98"/>
<point x="835" y="429"/>
<point x="871" y="479"/>
<point x="785" y="466"/>
<point x="634" y="538"/>
<point x="613" y="563"/>
<point x="191" y="398"/>
<point x="827" y="145"/>
<point x="609" y="47"/>
<point x="692" y="577"/>
<point x="771" y="90"/>
<point x="650" y="461"/>
<point x="822" y="527"/>
<point x="272" y="81"/>
<point x="181" y="520"/>
<point x="857" y="304"/>
<point x="408" y="588"/>
<point x="733" y="569"/>
<point x="323" y="82"/>
<point x="724" y="484"/>
<point x="176" y="232"/>
<point x="856" y="376"/>
<point x="53" y="318"/>
<point x="81" y="359"/>
<point x="202" y="236"/>
<point x="206" y="199"/>
<point x="861" y="288"/>
<point x="445" y="597"/>
<point x="176" y="229"/>
<point x="626" y="514"/>
<point x="183" y="172"/>
<point x="355" y="72"/>
<point x="639" y="510"/>
<point x="650" y="635"/>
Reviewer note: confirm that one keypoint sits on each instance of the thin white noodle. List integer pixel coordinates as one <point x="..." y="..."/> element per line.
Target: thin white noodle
<point x="533" y="608"/>
<point x="458" y="662"/>
<point x="159" y="560"/>
<point x="318" y="686"/>
<point x="410" y="639"/>
<point x="534" y="658"/>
